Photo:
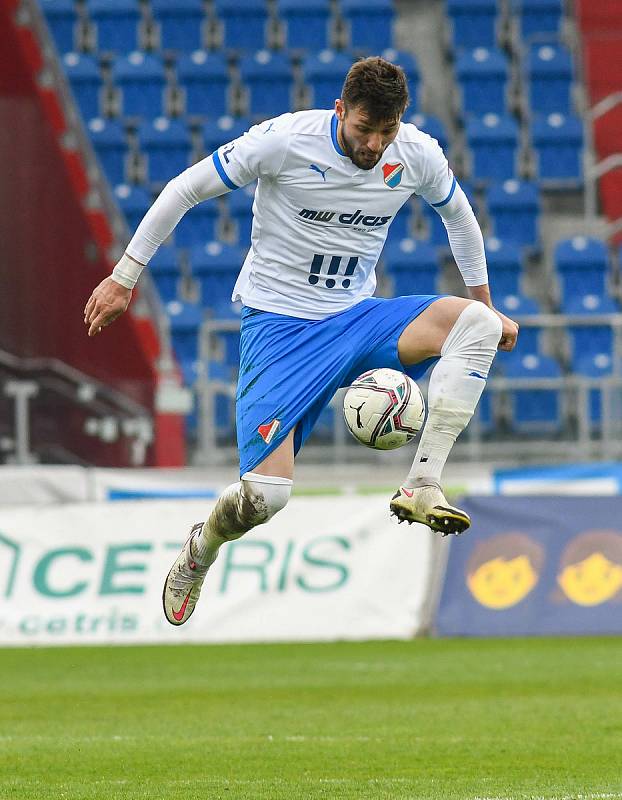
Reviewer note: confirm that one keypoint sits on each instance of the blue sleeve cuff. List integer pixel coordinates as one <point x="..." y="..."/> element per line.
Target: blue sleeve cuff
<point x="449" y="196"/>
<point x="221" y="171"/>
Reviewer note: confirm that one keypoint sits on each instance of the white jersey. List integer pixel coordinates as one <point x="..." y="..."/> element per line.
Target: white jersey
<point x="320" y="222"/>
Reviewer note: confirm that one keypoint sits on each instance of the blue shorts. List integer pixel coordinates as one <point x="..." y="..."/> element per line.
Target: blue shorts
<point x="290" y="368"/>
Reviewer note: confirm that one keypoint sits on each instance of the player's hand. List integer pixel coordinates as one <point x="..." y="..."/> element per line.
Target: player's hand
<point x="108" y="301"/>
<point x="509" y="332"/>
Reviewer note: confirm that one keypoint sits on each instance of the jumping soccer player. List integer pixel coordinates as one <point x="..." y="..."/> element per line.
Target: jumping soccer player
<point x="329" y="184"/>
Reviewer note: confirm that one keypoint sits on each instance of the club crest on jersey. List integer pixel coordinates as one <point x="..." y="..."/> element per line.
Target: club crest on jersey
<point x="392" y="174"/>
<point x="269" y="430"/>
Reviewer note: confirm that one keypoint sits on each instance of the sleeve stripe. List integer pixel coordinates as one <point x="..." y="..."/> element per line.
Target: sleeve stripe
<point x="449" y="196"/>
<point x="221" y="171"/>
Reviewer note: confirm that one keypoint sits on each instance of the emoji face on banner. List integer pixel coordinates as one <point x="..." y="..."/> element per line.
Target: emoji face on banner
<point x="590" y="571"/>
<point x="504" y="569"/>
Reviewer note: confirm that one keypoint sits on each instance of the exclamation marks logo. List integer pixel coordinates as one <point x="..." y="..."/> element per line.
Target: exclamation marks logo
<point x="333" y="269"/>
<point x="352" y="263"/>
<point x="316" y="266"/>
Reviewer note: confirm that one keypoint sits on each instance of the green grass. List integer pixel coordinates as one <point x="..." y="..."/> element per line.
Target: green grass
<point x="423" y="719"/>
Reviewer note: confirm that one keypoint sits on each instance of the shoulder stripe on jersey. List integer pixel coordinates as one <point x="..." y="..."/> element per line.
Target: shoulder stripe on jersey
<point x="333" y="134"/>
<point x="449" y="196"/>
<point x="221" y="171"/>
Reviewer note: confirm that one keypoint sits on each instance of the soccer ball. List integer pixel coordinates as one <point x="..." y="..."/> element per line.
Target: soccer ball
<point x="384" y="409"/>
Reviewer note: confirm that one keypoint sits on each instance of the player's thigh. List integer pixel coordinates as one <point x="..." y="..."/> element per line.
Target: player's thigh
<point x="280" y="462"/>
<point x="424" y="336"/>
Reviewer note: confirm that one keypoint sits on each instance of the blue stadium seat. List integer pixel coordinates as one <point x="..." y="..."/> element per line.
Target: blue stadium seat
<point x="243" y="23"/>
<point x="538" y="16"/>
<point x="205" y="79"/>
<point x="167" y="145"/>
<point x="223" y="130"/>
<point x="269" y="79"/>
<point x="412" y="266"/>
<point x="325" y="73"/>
<point x="181" y="23"/>
<point x="582" y="265"/>
<point x="199" y="225"/>
<point x="134" y="202"/>
<point x="108" y="138"/>
<point x="140" y="77"/>
<point x="535" y="411"/>
<point x="590" y="338"/>
<point x="514" y="207"/>
<point x="185" y="322"/>
<point x="558" y="143"/>
<point x="370" y="23"/>
<point x="165" y="270"/>
<point x="116" y="24"/>
<point x="596" y="366"/>
<point x="505" y="266"/>
<point x="493" y="141"/>
<point x="224" y="408"/>
<point x="473" y="23"/>
<point x="431" y="125"/>
<point x="61" y="18"/>
<point x="408" y="63"/>
<point x="518" y="306"/>
<point x="230" y="340"/>
<point x="216" y="266"/>
<point x="482" y="76"/>
<point x="240" y="205"/>
<point x="86" y="82"/>
<point x="549" y="73"/>
<point x="307" y="23"/>
<point x="401" y="224"/>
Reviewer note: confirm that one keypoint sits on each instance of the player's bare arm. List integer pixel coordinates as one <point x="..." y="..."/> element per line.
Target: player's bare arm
<point x="107" y="302"/>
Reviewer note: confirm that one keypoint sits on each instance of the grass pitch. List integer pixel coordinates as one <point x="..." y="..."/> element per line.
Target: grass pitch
<point x="424" y="719"/>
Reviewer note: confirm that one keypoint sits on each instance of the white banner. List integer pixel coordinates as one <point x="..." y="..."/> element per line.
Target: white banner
<point x="322" y="569"/>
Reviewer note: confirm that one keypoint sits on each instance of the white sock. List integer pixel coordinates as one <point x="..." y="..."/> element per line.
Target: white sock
<point x="252" y="501"/>
<point x="456" y="384"/>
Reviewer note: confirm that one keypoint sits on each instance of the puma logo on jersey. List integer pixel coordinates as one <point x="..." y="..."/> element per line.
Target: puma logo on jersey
<point x="322" y="172"/>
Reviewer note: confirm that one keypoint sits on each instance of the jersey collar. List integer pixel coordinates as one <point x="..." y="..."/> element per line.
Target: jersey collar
<point x="333" y="133"/>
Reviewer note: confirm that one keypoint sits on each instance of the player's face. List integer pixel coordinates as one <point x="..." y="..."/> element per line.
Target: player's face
<point x="364" y="140"/>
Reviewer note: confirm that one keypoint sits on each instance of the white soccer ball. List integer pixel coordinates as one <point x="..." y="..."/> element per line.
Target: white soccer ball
<point x="384" y="409"/>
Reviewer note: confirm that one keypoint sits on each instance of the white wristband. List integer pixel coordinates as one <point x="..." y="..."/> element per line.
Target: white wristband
<point x="127" y="272"/>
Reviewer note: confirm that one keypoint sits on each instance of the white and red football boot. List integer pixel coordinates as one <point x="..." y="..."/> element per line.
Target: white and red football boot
<point x="183" y="583"/>
<point x="427" y="504"/>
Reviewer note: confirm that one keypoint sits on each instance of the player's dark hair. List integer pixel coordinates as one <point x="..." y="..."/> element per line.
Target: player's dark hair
<point x="378" y="87"/>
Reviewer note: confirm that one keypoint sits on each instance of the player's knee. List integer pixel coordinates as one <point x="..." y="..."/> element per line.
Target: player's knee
<point x="263" y="496"/>
<point x="486" y="324"/>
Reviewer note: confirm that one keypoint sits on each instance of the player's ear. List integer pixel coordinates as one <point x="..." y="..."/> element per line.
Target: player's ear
<point x="340" y="109"/>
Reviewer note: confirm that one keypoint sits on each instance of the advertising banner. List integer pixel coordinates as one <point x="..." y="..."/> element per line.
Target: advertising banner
<point x="546" y="565"/>
<point x="322" y="569"/>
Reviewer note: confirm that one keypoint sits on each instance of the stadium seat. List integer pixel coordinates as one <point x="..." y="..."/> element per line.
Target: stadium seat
<point x="185" y="322"/>
<point x="370" y="24"/>
<point x="108" y="138"/>
<point x="204" y="78"/>
<point x="240" y="206"/>
<point x="549" y="75"/>
<point x="514" y="208"/>
<point x="226" y="311"/>
<point x="307" y="23"/>
<point x="61" y="18"/>
<point x="180" y="22"/>
<point x="582" y="265"/>
<point x="215" y="267"/>
<point x="517" y="306"/>
<point x="222" y="130"/>
<point x="504" y="266"/>
<point x="198" y="225"/>
<point x="224" y="408"/>
<point x="558" y="143"/>
<point x="243" y="23"/>
<point x="324" y="73"/>
<point x="165" y="271"/>
<point x="167" y="146"/>
<point x="493" y="141"/>
<point x="534" y="410"/>
<point x="473" y="23"/>
<point x="116" y="24"/>
<point x="86" y="82"/>
<point x="401" y="224"/>
<point x="268" y="77"/>
<point x="595" y="366"/>
<point x="134" y="202"/>
<point x="482" y="75"/>
<point x="412" y="266"/>
<point x="538" y="17"/>
<point x="430" y="125"/>
<point x="593" y="337"/>
<point x="140" y="77"/>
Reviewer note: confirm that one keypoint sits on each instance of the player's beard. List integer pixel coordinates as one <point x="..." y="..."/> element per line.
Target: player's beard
<point x="350" y="151"/>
